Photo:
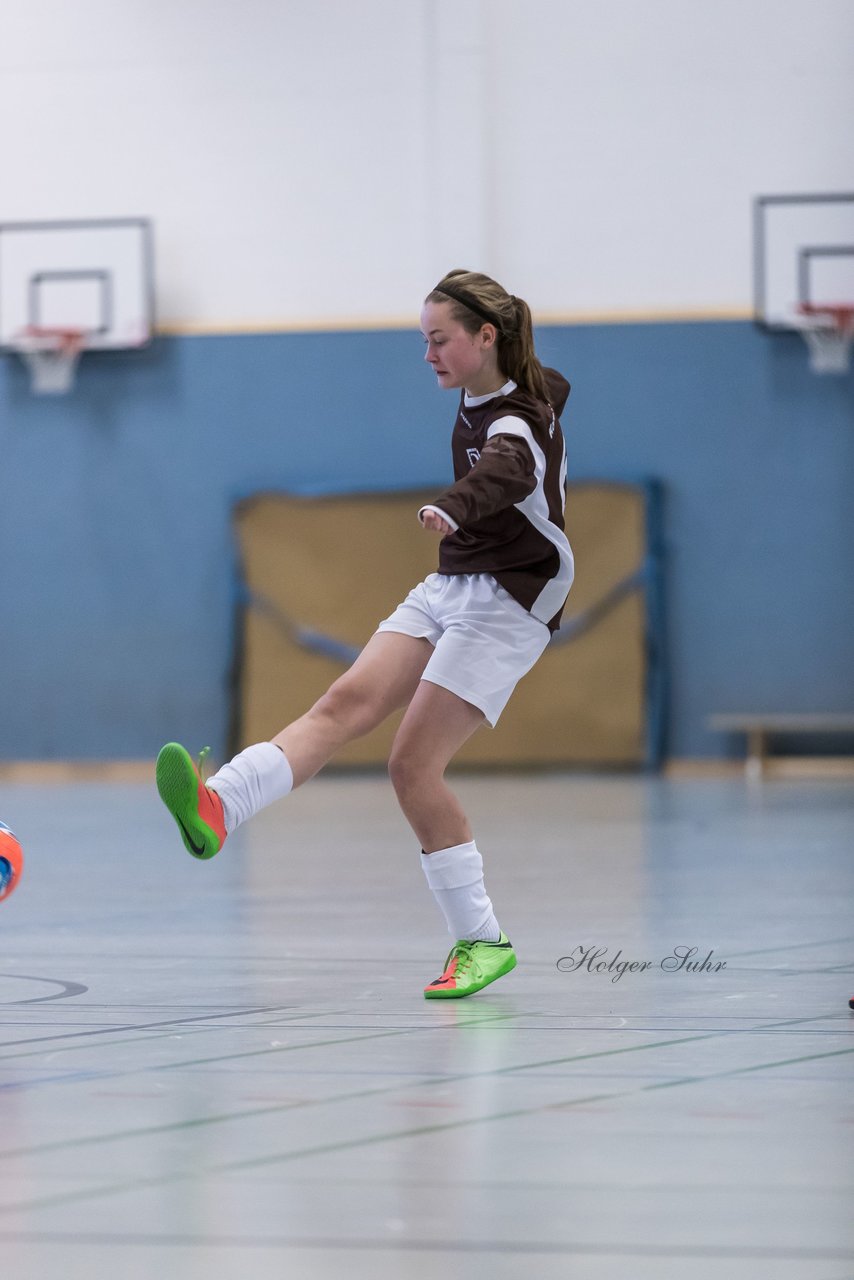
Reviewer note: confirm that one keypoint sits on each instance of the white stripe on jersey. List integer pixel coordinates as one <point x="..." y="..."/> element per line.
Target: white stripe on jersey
<point x="535" y="508"/>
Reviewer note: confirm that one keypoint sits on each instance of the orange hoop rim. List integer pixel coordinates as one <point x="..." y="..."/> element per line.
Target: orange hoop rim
<point x="838" y="316"/>
<point x="64" y="340"/>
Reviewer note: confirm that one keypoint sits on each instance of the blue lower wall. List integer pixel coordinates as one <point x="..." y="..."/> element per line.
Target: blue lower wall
<point x="115" y="546"/>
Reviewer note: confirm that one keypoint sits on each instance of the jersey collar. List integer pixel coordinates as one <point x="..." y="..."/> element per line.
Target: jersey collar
<point x="471" y="402"/>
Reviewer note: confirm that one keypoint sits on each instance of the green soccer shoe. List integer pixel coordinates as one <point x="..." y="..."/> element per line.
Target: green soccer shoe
<point x="470" y="967"/>
<point x="196" y="809"/>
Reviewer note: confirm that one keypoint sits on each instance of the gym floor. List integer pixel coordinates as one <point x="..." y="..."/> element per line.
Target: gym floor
<point x="227" y="1069"/>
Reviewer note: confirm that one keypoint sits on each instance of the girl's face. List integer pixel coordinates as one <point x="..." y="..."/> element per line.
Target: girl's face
<point x="460" y="358"/>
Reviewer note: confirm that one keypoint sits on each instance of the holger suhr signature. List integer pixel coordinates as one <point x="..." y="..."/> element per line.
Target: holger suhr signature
<point x="680" y="960"/>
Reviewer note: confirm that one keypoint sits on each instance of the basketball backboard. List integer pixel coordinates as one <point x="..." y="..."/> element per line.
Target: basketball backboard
<point x="803" y="257"/>
<point x="90" y="276"/>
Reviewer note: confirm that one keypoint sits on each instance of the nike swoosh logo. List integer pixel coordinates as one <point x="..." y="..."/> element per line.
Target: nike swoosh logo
<point x="198" y="849"/>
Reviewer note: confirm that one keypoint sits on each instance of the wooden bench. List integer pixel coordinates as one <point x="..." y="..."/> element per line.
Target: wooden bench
<point x="758" y="727"/>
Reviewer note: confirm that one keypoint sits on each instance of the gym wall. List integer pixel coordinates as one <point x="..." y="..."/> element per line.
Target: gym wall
<point x="311" y="168"/>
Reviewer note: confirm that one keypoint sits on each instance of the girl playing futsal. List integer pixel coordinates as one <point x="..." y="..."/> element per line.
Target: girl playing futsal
<point x="453" y="651"/>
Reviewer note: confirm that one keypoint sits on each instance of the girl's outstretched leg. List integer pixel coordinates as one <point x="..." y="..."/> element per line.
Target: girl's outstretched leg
<point x="381" y="680"/>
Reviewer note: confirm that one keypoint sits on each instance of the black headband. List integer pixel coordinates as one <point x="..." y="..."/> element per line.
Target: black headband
<point x="466" y="301"/>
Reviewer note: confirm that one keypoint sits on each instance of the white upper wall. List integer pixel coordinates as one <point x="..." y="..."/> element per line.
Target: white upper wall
<point x="326" y="160"/>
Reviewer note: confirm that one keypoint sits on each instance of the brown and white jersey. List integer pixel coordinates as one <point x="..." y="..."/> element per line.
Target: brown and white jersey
<point x="507" y="503"/>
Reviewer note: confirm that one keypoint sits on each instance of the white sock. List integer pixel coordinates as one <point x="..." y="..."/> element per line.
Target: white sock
<point x="252" y="780"/>
<point x="456" y="877"/>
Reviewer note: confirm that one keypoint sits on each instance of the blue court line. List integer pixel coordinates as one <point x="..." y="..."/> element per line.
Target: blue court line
<point x="67" y="989"/>
<point x="148" y="1026"/>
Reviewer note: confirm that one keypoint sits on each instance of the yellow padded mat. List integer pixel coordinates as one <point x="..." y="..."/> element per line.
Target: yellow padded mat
<point x="320" y="573"/>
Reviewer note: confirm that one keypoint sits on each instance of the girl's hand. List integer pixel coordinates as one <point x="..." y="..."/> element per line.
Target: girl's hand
<point x="431" y="521"/>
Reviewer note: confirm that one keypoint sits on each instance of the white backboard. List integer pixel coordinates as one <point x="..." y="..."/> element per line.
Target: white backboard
<point x="94" y="275"/>
<point x="803" y="254"/>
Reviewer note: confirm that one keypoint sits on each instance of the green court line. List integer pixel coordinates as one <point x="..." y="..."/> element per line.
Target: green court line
<point x="117" y="1135"/>
<point x="741" y="1071"/>
<point x="329" y="1148"/>
<point x="845" y="967"/>
<point x="178" y="1126"/>
<point x="427" y="1081"/>
<point x="435" y="1244"/>
<point x="795" y="946"/>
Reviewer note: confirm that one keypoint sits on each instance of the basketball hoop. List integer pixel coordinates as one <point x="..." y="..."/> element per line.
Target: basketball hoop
<point x="51" y="356"/>
<point x="828" y="332"/>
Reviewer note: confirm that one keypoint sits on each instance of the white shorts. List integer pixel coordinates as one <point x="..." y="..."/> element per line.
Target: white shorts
<point x="483" y="640"/>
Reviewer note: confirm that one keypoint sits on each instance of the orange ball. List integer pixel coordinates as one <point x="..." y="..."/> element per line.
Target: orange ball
<point x="11" y="861"/>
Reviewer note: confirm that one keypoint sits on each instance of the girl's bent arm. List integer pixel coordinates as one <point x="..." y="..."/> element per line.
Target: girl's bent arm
<point x="503" y="475"/>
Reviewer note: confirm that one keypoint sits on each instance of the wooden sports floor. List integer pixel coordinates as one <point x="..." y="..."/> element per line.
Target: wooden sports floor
<point x="227" y="1069"/>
